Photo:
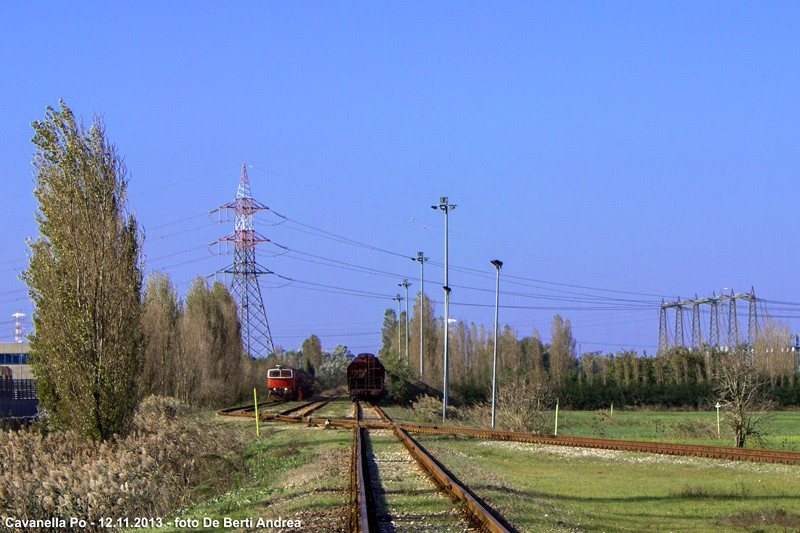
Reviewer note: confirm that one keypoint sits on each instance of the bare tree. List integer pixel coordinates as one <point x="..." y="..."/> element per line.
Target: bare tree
<point x="508" y="351"/>
<point x="742" y="389"/>
<point x="772" y="350"/>
<point x="532" y="351"/>
<point x="587" y="365"/>
<point x="230" y="354"/>
<point x="522" y="401"/>
<point x="85" y="279"/>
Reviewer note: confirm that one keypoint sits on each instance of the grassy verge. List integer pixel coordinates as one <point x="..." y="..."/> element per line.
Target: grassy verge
<point x="558" y="489"/>
<point x="289" y="472"/>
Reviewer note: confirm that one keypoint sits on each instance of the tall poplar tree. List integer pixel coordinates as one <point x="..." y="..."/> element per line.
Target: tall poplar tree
<point x="84" y="278"/>
<point x="423" y="310"/>
<point x="161" y="314"/>
<point x="312" y="352"/>
<point x="209" y="369"/>
<point x="562" y="349"/>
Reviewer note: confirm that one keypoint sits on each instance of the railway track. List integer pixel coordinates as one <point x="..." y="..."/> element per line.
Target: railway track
<point x="248" y="410"/>
<point x="308" y="408"/>
<point x="729" y="453"/>
<point x="383" y="480"/>
<point x="299" y="413"/>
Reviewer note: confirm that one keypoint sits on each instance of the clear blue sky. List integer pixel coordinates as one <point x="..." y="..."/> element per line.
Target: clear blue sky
<point x="645" y="147"/>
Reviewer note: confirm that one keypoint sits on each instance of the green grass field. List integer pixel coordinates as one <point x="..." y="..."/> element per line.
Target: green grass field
<point x="539" y="488"/>
<point x="681" y="426"/>
<point x="695" y="427"/>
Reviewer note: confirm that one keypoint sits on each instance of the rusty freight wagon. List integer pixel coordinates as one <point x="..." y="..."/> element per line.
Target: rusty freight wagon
<point x="365" y="377"/>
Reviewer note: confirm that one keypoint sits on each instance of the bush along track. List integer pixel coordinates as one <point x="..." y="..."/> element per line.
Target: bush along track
<point x="165" y="463"/>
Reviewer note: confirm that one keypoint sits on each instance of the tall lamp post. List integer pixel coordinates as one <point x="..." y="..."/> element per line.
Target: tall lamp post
<point x="406" y="284"/>
<point x="445" y="207"/>
<point x="421" y="259"/>
<point x="399" y="299"/>
<point x="497" y="265"/>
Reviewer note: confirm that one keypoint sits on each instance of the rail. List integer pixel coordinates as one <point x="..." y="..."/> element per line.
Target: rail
<point x="478" y="512"/>
<point x="362" y="510"/>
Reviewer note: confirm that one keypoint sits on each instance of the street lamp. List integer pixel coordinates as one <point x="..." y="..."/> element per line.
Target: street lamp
<point x="421" y="259"/>
<point x="717" y="408"/>
<point x="406" y="284"/>
<point x="399" y="299"/>
<point x="445" y="206"/>
<point x="497" y="265"/>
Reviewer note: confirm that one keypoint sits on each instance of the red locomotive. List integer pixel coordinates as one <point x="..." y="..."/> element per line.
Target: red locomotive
<point x="289" y="383"/>
<point x="365" y="377"/>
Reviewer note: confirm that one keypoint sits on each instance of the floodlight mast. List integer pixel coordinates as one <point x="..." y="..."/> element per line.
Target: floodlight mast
<point x="421" y="259"/>
<point x="398" y="299"/>
<point x="406" y="284"/>
<point x="445" y="206"/>
<point x="497" y="265"/>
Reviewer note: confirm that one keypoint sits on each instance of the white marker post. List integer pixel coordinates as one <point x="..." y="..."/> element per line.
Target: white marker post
<point x="556" y="429"/>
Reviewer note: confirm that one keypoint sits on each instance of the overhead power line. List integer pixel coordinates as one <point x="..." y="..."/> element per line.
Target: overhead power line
<point x="520" y="280"/>
<point x="614" y="303"/>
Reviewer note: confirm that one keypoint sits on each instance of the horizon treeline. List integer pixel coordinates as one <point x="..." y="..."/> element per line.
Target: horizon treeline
<point x="677" y="377"/>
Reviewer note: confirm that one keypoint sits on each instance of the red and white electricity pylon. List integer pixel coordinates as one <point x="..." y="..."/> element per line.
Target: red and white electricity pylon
<point x="245" y="271"/>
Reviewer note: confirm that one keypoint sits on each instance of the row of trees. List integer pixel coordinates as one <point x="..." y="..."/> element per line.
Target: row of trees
<point x="677" y="377"/>
<point x="193" y="348"/>
<point x="746" y="380"/>
<point x="471" y="350"/>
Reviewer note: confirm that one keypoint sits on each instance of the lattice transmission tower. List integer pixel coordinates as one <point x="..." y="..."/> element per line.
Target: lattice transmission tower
<point x="245" y="271"/>
<point x="716" y="337"/>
